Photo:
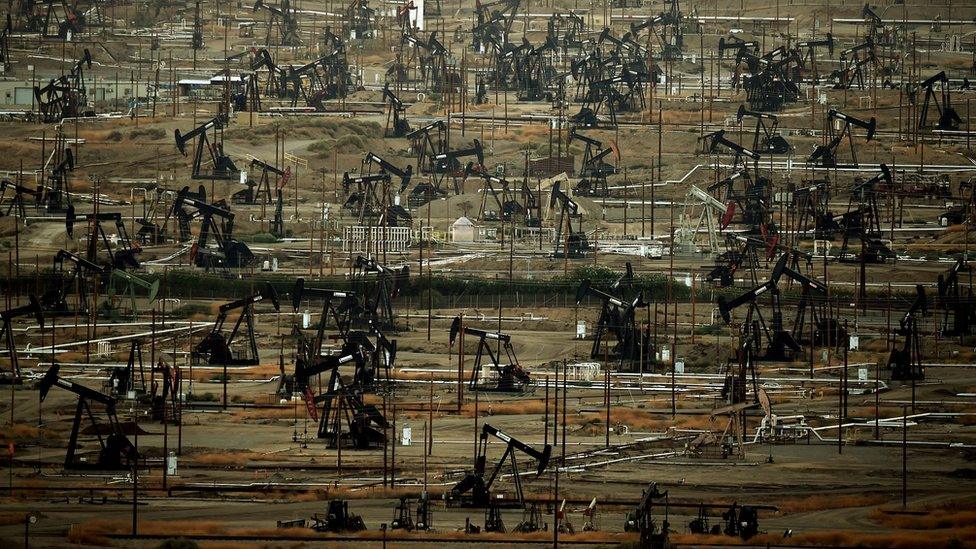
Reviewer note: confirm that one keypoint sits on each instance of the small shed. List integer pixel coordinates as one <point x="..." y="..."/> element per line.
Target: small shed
<point x="463" y="230"/>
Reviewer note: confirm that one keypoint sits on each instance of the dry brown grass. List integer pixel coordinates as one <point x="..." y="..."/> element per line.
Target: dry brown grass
<point x="647" y="421"/>
<point x="224" y="459"/>
<point x="934" y="519"/>
<point x="967" y="420"/>
<point x="268" y="413"/>
<point x="820" y="503"/>
<point x="11" y="517"/>
<point x="439" y="376"/>
<point x="521" y="407"/>
<point x="93" y="532"/>
<point x="963" y="537"/>
<point x="22" y="432"/>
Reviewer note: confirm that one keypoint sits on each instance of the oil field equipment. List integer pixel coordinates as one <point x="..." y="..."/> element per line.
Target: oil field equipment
<point x="474" y="490"/>
<point x="216" y="348"/>
<point x="493" y="375"/>
<point x="115" y="453"/>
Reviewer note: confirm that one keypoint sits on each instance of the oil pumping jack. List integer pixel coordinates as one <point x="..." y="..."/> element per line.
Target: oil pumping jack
<point x="216" y="348"/>
<point x="769" y="83"/>
<point x="754" y="201"/>
<point x="569" y="243"/>
<point x="642" y="520"/>
<point x="956" y="302"/>
<point x="854" y="62"/>
<point x="863" y="222"/>
<point x="807" y="52"/>
<point x="618" y="318"/>
<point x="84" y="274"/>
<point x="474" y="490"/>
<point x="826" y="155"/>
<point x="115" y="453"/>
<point x="164" y="396"/>
<point x="506" y="203"/>
<point x="16" y="203"/>
<point x="342" y="403"/>
<point x="259" y="192"/>
<point x="739" y="252"/>
<point x="740" y="48"/>
<point x="54" y="192"/>
<point x="905" y="363"/>
<point x="338" y="309"/>
<point x="780" y="343"/>
<point x="377" y="305"/>
<point x="131" y="377"/>
<point x="446" y="164"/>
<point x="67" y="95"/>
<point x="739" y="153"/>
<point x="427" y="143"/>
<point x="493" y="376"/>
<point x="182" y="217"/>
<point x="766" y="140"/>
<point x="123" y="284"/>
<point x="283" y="19"/>
<point x="948" y="118"/>
<point x="33" y="308"/>
<point x="593" y="170"/>
<point x="812" y="310"/>
<point x="374" y="197"/>
<point x="396" y="120"/>
<point x="229" y="252"/>
<point x="221" y="165"/>
<point x="361" y="19"/>
<point x="123" y="256"/>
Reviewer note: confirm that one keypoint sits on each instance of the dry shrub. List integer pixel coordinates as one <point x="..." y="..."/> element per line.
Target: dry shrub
<point x="820" y="503"/>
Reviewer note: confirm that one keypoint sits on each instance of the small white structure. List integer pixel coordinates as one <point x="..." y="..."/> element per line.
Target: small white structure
<point x="370" y="240"/>
<point x="583" y="371"/>
<point x="171" y="464"/>
<point x="463" y="230"/>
